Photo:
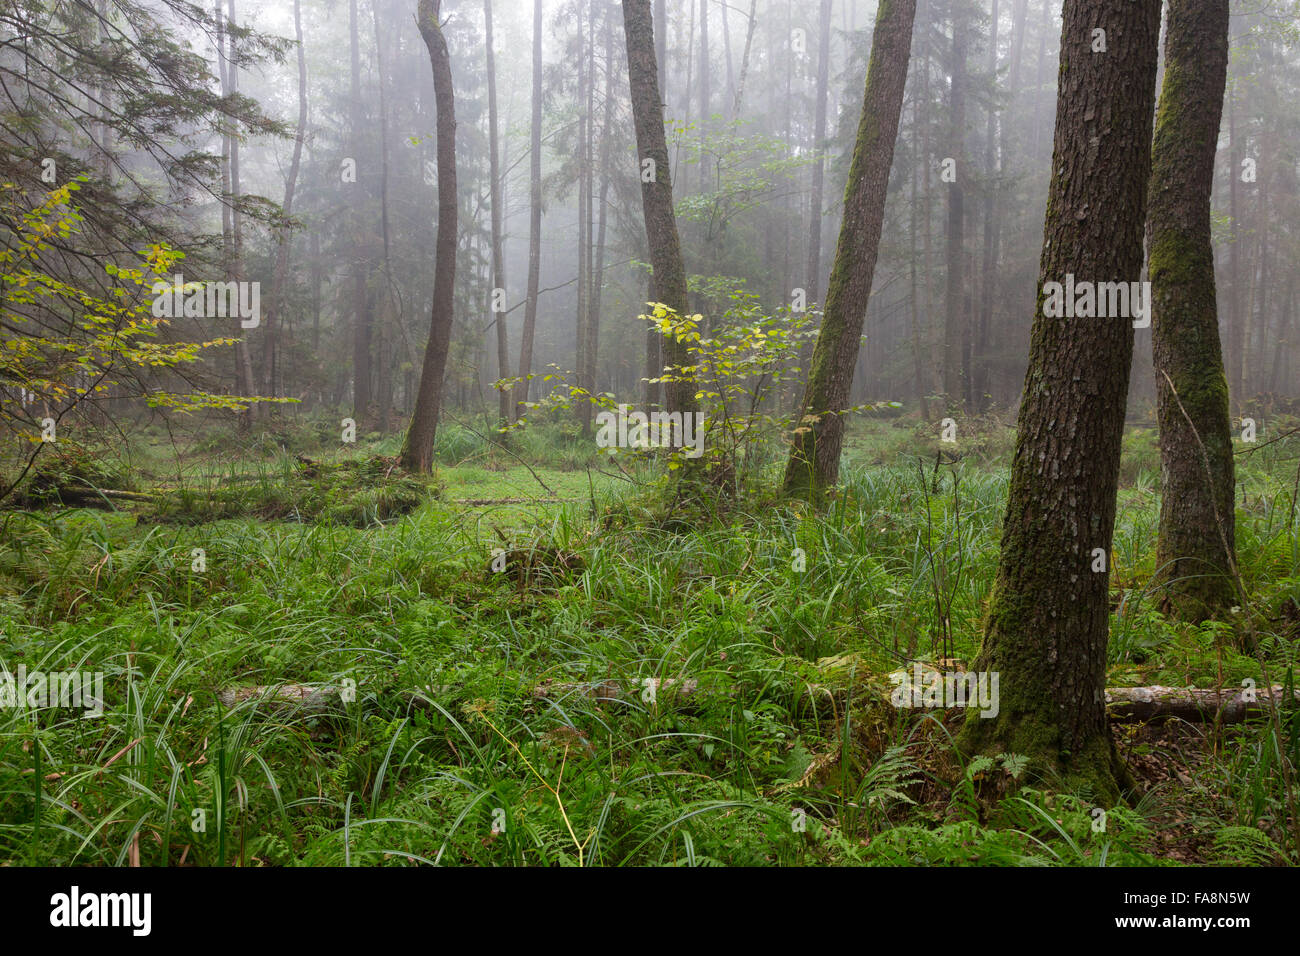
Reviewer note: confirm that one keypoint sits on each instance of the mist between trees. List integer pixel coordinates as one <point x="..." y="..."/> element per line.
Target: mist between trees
<point x="673" y="267"/>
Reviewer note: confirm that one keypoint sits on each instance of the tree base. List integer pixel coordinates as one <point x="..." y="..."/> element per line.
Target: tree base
<point x="1095" y="770"/>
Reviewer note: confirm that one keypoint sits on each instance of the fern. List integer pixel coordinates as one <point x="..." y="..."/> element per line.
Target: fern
<point x="1245" y="846"/>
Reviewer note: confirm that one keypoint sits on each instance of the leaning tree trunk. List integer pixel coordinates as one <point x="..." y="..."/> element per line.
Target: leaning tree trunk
<point x="668" y="284"/>
<point x="814" y="463"/>
<point x="1048" y="615"/>
<point x="1196" y="541"/>
<point x="534" y="221"/>
<point x="417" y="451"/>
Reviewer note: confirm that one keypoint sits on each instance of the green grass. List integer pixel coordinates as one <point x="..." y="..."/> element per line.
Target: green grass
<point x="474" y="694"/>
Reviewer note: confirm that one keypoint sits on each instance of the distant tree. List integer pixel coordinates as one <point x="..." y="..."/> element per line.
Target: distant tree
<point x="813" y="277"/>
<point x="956" y="322"/>
<point x="668" y="284"/>
<point x="362" y="396"/>
<point x="814" y="461"/>
<point x="494" y="197"/>
<point x="534" y="219"/>
<point x="417" y="450"/>
<point x="283" y="232"/>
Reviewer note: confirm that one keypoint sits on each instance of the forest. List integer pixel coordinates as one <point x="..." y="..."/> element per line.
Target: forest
<point x="650" y="433"/>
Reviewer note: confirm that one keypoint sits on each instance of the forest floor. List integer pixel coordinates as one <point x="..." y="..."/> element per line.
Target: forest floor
<point x="311" y="658"/>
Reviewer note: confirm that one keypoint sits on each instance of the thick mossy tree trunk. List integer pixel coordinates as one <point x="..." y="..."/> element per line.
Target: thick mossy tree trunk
<point x="1196" y="545"/>
<point x="668" y="284"/>
<point x="814" y="463"/>
<point x="1047" y="624"/>
<point x="417" y="450"/>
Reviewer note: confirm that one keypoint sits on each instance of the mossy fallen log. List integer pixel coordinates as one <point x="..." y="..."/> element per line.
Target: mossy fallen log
<point x="1123" y="704"/>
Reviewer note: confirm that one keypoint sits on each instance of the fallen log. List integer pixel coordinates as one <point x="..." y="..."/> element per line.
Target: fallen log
<point x="325" y="697"/>
<point x="311" y="699"/>
<point x="1123" y="704"/>
<point x="87" y="497"/>
<point x="1155" y="704"/>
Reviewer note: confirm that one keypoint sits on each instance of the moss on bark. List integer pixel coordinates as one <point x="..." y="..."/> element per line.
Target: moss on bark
<point x="1196" y="543"/>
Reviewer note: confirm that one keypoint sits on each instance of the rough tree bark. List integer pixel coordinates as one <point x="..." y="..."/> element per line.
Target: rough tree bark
<point x="668" y="284"/>
<point x="814" y="462"/>
<point x="417" y="450"/>
<point x="1196" y="540"/>
<point x="1047" y="624"/>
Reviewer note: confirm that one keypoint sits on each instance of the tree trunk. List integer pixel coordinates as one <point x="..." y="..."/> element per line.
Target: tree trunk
<point x="744" y="59"/>
<point x="726" y="50"/>
<point x="494" y="197"/>
<point x="534" y="220"/>
<point x="417" y="451"/>
<point x="919" y="365"/>
<point x="1195" y="550"/>
<point x="815" y="459"/>
<point x="813" y="277"/>
<point x="704" y="93"/>
<point x="669" y="277"/>
<point x="1257" y="315"/>
<point x="227" y="240"/>
<point x="388" y="304"/>
<point x="248" y="381"/>
<point x="980" y="370"/>
<point x="598" y="270"/>
<point x="924" y="14"/>
<point x="954" y="380"/>
<point x="271" y="329"/>
<point x="1046" y="629"/>
<point x="360" y="309"/>
<point x="584" y="224"/>
<point x="1276" y="381"/>
<point x="1236" y="324"/>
